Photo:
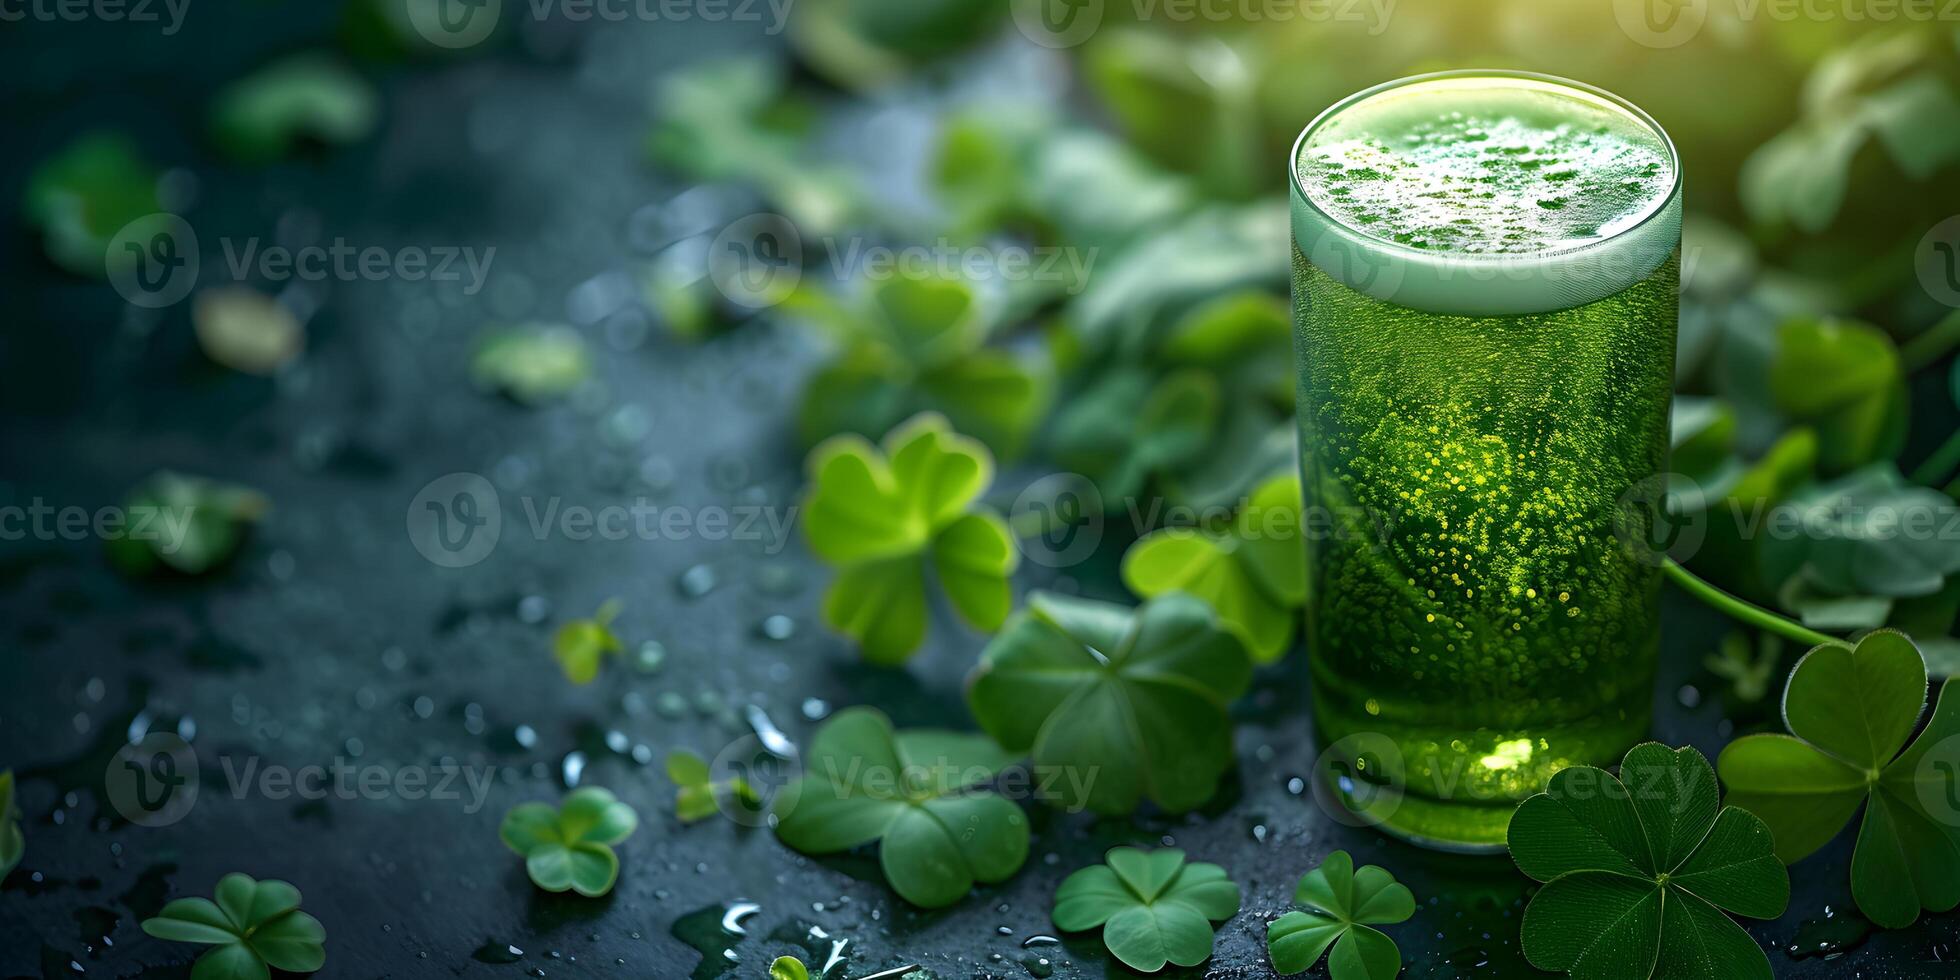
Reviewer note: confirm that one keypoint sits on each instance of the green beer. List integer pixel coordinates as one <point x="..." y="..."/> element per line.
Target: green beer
<point x="1485" y="270"/>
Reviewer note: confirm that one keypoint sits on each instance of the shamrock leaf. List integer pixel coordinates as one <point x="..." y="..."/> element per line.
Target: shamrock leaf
<point x="915" y="344"/>
<point x="582" y="644"/>
<point x="246" y="330"/>
<point x="531" y="365"/>
<point x="879" y="516"/>
<point x="788" y="968"/>
<point x="12" y="844"/>
<point x="1129" y="424"/>
<point x="1342" y="903"/>
<point x="263" y="116"/>
<point x="253" y="925"/>
<point x="1153" y="908"/>
<point x="1748" y="671"/>
<point x="1134" y="702"/>
<point x="1842" y="377"/>
<point x="1866" y="539"/>
<point x="698" y="796"/>
<point x="80" y="198"/>
<point x="187" y="524"/>
<point x="570" y="847"/>
<point x="1253" y="574"/>
<point x="1156" y="85"/>
<point x="868" y="44"/>
<point x="919" y="794"/>
<point x="1639" y="868"/>
<point x="1850" y="711"/>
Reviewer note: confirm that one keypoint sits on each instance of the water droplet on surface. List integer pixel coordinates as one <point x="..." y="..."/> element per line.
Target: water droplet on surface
<point x="697" y="581"/>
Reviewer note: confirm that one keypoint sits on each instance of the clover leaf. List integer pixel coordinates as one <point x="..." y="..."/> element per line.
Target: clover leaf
<point x="698" y="796"/>
<point x="1343" y="903"/>
<point x="253" y="925"/>
<point x="1867" y="539"/>
<point x="1850" y="711"/>
<point x="581" y="645"/>
<point x="788" y="968"/>
<point x="81" y="197"/>
<point x="531" y="365"/>
<point x="187" y="524"/>
<point x="264" y="115"/>
<point x="1639" y="868"/>
<point x="1748" y="670"/>
<point x="913" y="344"/>
<point x="879" y="516"/>
<point x="1129" y="424"/>
<point x="12" y="843"/>
<point x="570" y="847"/>
<point x="1253" y="573"/>
<point x="1127" y="703"/>
<point x="246" y="330"/>
<point x="1842" y="377"/>
<point x="921" y="794"/>
<point x="1153" y="908"/>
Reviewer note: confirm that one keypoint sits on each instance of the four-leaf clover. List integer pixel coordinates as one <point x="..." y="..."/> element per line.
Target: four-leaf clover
<point x="1133" y="702"/>
<point x="880" y="516"/>
<point x="1638" y="870"/>
<point x="921" y="794"/>
<point x="252" y="925"/>
<point x="1153" y="907"/>
<point x="1253" y="574"/>
<point x="1342" y="902"/>
<point x="1850" y="711"/>
<point x="571" y="847"/>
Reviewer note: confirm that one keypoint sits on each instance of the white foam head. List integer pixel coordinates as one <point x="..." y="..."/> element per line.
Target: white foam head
<point x="1486" y="193"/>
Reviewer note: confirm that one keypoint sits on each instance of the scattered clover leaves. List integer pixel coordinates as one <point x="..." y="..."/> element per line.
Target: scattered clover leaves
<point x="12" y="844"/>
<point x="921" y="794"/>
<point x="81" y="197"/>
<point x="570" y="847"/>
<point x="581" y="646"/>
<point x="1343" y="902"/>
<point x="913" y="344"/>
<point x="1850" y="711"/>
<point x="698" y="796"/>
<point x="186" y="524"/>
<point x="1126" y="703"/>
<point x="1864" y="545"/>
<point x="1153" y="907"/>
<point x="306" y="98"/>
<point x="531" y="365"/>
<point x="1253" y="573"/>
<point x="880" y="516"/>
<point x="252" y="925"/>
<point x="788" y="968"/>
<point x="1638" y="870"/>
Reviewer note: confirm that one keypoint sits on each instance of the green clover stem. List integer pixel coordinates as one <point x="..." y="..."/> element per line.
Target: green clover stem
<point x="1739" y="609"/>
<point x="1931" y="345"/>
<point x="1940" y="463"/>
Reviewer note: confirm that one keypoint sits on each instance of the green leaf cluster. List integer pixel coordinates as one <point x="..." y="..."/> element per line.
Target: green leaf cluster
<point x="196" y="524"/>
<point x="921" y="794"/>
<point x="1844" y="379"/>
<point x="81" y="197"/>
<point x="881" y="515"/>
<point x="1252" y="573"/>
<point x="870" y="44"/>
<point x="253" y="925"/>
<point x="304" y="98"/>
<point x="1343" y="904"/>
<point x="1850" y="711"/>
<point x="582" y="645"/>
<point x="697" y="794"/>
<point x="911" y="344"/>
<point x="1869" y="541"/>
<point x="571" y="847"/>
<point x="1639" y="868"/>
<point x="1127" y="704"/>
<point x="1153" y="908"/>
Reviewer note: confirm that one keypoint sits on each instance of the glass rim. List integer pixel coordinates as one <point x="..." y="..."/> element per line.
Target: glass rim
<point x="1662" y="204"/>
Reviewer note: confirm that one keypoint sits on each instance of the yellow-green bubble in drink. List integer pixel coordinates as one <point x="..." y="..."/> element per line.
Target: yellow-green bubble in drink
<point x="1485" y="273"/>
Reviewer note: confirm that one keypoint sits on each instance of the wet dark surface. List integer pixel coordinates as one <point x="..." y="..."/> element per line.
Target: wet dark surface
<point x="332" y="639"/>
